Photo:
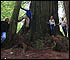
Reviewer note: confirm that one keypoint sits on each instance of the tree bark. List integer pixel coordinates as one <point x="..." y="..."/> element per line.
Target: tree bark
<point x="42" y="10"/>
<point x="14" y="18"/>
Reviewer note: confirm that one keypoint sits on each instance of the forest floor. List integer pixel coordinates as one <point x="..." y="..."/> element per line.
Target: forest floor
<point x="17" y="53"/>
<point x="33" y="54"/>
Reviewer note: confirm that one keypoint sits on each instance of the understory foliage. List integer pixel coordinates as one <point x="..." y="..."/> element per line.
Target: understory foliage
<point x="58" y="43"/>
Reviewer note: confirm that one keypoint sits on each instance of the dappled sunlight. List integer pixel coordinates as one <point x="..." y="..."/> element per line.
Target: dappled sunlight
<point x="6" y="9"/>
<point x="29" y="32"/>
<point x="19" y="25"/>
<point x="27" y="6"/>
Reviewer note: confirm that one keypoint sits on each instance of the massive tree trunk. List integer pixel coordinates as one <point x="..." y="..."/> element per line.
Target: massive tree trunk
<point x="14" y="17"/>
<point x="42" y="10"/>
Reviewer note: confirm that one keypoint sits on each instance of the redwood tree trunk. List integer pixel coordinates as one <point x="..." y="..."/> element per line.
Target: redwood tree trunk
<point x="42" y="10"/>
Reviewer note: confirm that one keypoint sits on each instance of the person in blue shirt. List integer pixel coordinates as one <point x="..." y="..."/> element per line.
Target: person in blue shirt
<point x="27" y="18"/>
<point x="28" y="13"/>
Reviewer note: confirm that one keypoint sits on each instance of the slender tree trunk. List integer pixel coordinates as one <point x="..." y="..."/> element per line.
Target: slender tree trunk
<point x="14" y="17"/>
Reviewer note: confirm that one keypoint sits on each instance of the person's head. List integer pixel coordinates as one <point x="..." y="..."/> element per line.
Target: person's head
<point x="7" y="20"/>
<point x="62" y="18"/>
<point x="51" y="17"/>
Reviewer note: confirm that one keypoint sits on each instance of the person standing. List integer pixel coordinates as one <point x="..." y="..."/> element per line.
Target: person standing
<point x="4" y="29"/>
<point x="52" y="25"/>
<point x="63" y="23"/>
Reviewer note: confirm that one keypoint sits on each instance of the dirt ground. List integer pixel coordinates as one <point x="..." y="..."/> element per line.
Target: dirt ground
<point x="32" y="54"/>
<point x="17" y="53"/>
